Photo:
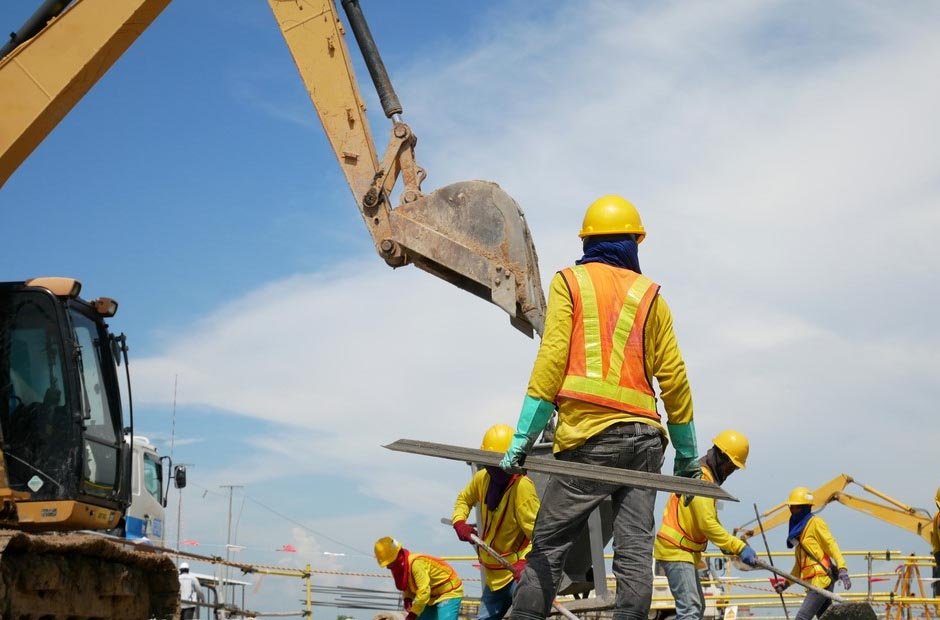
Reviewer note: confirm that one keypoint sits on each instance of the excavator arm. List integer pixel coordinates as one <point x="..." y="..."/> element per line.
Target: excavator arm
<point x="471" y="234"/>
<point x="884" y="508"/>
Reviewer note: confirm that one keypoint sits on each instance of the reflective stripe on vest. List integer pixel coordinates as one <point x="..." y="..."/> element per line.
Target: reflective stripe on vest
<point x="607" y="366"/>
<point x="672" y="532"/>
<point x="809" y="567"/>
<point x="451" y="583"/>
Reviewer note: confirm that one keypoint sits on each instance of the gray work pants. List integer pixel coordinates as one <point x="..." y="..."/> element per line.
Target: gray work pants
<point x="686" y="589"/>
<point x="814" y="604"/>
<point x="566" y="506"/>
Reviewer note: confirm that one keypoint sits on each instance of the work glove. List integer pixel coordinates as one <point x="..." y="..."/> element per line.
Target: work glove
<point x="533" y="418"/>
<point x="779" y="584"/>
<point x="686" y="463"/>
<point x="517" y="569"/>
<point x="465" y="530"/>
<point x="844" y="578"/>
<point x="407" y="603"/>
<point x="748" y="556"/>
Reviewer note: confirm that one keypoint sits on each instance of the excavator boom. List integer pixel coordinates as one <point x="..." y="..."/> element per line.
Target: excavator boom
<point x="914" y="520"/>
<point x="471" y="234"/>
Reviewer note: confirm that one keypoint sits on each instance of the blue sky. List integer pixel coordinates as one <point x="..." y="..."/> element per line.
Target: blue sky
<point x="783" y="155"/>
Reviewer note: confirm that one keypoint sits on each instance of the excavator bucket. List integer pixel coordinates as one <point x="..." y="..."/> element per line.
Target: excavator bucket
<point x="474" y="235"/>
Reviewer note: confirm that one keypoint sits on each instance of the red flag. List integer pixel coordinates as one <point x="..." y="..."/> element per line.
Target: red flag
<point x="287" y="549"/>
<point x="191" y="542"/>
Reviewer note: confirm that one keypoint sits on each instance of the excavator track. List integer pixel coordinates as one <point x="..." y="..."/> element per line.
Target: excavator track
<point x="83" y="577"/>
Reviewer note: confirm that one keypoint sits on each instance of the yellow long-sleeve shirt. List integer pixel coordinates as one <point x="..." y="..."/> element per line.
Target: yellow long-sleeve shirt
<point x="699" y="520"/>
<point x="820" y="543"/>
<point x="431" y="581"/>
<point x="508" y="529"/>
<point x="579" y="420"/>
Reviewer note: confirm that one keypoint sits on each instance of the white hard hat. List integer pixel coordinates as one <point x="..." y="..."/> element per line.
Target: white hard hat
<point x="184" y="566"/>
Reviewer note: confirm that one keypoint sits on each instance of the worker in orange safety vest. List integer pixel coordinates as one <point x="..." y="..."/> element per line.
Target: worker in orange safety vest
<point x="818" y="559"/>
<point x="608" y="332"/>
<point x="508" y="506"/>
<point x="689" y="524"/>
<point x="430" y="587"/>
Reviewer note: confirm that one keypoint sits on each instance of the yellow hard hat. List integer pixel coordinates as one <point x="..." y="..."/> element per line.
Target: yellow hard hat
<point x="612" y="215"/>
<point x="800" y="496"/>
<point x="734" y="445"/>
<point x="497" y="438"/>
<point x="386" y="550"/>
<point x="936" y="498"/>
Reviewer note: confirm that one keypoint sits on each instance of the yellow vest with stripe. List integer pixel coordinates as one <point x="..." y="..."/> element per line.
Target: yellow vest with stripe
<point x="443" y="582"/>
<point x="606" y="363"/>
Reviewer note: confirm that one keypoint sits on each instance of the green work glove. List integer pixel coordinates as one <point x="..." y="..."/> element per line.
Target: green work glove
<point x="533" y="418"/>
<point x="683" y="439"/>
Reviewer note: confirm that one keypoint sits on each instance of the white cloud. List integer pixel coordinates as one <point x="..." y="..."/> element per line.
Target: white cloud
<point x="786" y="168"/>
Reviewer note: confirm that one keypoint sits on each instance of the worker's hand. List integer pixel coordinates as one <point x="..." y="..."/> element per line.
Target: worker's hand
<point x="407" y="602"/>
<point x="687" y="468"/>
<point x="465" y="530"/>
<point x="533" y="418"/>
<point x="844" y="578"/>
<point x="748" y="556"/>
<point x="779" y="584"/>
<point x="514" y="458"/>
<point x="517" y="569"/>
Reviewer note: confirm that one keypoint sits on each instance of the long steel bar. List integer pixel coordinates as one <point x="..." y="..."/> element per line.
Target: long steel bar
<point x="598" y="473"/>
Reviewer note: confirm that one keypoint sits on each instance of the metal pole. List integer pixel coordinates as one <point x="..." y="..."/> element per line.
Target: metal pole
<point x="309" y="584"/>
<point x="228" y="539"/>
<point x="770" y="557"/>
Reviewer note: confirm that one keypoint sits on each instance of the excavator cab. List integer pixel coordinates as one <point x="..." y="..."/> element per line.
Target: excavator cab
<point x="66" y="464"/>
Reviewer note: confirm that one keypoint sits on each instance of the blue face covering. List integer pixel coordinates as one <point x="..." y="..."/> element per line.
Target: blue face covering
<point x="616" y="251"/>
<point x="798" y="521"/>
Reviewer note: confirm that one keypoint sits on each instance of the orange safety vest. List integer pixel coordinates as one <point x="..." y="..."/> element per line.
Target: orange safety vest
<point x="442" y="587"/>
<point x="606" y="363"/>
<point x="810" y="568"/>
<point x="672" y="532"/>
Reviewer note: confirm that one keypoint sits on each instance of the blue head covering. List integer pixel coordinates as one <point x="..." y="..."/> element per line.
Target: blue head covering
<point x="614" y="250"/>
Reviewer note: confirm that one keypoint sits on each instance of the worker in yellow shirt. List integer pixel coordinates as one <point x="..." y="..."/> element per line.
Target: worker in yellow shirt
<point x="508" y="505"/>
<point x="935" y="545"/>
<point x="430" y="587"/>
<point x="689" y="525"/>
<point x="608" y="333"/>
<point x="816" y="554"/>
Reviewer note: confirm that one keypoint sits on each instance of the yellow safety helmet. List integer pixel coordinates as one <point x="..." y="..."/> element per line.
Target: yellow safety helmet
<point x="734" y="445"/>
<point x="386" y="550"/>
<point x="800" y="496"/>
<point x="612" y="215"/>
<point x="497" y="438"/>
<point x="936" y="498"/>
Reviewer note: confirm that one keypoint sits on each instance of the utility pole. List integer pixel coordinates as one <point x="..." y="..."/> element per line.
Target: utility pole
<point x="228" y="540"/>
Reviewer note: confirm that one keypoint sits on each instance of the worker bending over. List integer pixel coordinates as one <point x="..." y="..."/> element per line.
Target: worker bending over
<point x="431" y="588"/>
<point x="689" y="523"/>
<point x="607" y="333"/>
<point x="935" y="545"/>
<point x="817" y="556"/>
<point x="508" y="505"/>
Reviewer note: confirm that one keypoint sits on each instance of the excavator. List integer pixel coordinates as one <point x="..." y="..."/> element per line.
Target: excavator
<point x="66" y="445"/>
<point x="885" y="508"/>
